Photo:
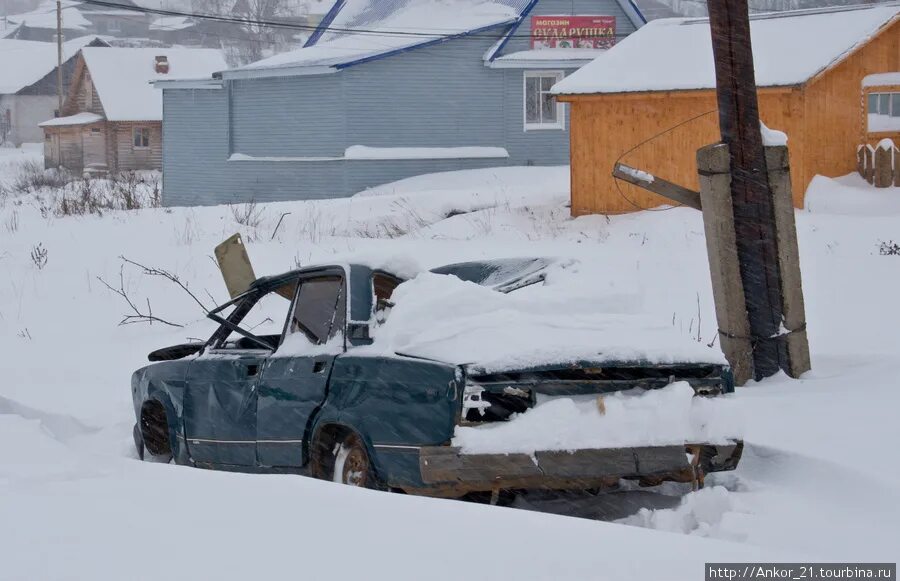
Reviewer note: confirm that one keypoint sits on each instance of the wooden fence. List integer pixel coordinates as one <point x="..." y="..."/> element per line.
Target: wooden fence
<point x="879" y="165"/>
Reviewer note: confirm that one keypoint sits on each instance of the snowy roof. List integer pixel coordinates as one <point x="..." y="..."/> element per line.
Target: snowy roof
<point x="676" y="54"/>
<point x="84" y="118"/>
<point x="45" y="17"/>
<point x="171" y="23"/>
<point x="360" y="29"/>
<point x="882" y="79"/>
<point x="25" y="62"/>
<point x="122" y="77"/>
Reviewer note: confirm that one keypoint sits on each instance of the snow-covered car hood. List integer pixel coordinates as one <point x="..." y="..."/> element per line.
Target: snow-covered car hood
<point x="441" y="317"/>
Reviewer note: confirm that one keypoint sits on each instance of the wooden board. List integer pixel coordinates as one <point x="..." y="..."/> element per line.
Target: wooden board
<point x="234" y="262"/>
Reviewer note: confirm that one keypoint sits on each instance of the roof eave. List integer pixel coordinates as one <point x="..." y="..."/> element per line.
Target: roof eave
<point x="663" y="93"/>
<point x="538" y="64"/>
<point x="855" y="48"/>
<point x="187" y="84"/>
<point x="279" y="71"/>
<point x="325" y="23"/>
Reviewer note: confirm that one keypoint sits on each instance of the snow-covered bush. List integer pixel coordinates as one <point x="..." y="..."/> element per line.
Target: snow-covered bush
<point x="120" y="191"/>
<point x="889" y="248"/>
<point x="32" y="177"/>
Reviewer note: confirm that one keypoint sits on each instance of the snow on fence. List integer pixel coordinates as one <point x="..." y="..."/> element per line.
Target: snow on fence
<point x="879" y="165"/>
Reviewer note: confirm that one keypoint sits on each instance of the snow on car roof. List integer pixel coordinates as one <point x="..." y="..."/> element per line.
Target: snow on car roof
<point x="676" y="53"/>
<point x="442" y="317"/>
<point x="122" y="77"/>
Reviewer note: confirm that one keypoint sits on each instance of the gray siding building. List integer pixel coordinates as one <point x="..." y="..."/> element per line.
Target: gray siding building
<point x="383" y="90"/>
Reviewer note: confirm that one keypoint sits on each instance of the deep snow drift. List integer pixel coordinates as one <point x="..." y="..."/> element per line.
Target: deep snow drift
<point x="818" y="480"/>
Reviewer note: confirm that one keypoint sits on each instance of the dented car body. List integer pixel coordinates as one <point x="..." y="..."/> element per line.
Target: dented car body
<point x="309" y="396"/>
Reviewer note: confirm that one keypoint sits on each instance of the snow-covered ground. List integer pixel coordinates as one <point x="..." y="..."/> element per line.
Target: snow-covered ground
<point x="819" y="481"/>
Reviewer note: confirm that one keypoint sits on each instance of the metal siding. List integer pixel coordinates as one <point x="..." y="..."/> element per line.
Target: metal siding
<point x="534" y="147"/>
<point x="196" y="170"/>
<point x="439" y="96"/>
<point x="287" y="116"/>
<point x="522" y="37"/>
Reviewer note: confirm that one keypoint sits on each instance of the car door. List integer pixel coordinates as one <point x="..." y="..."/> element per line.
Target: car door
<point x="294" y="380"/>
<point x="221" y="397"/>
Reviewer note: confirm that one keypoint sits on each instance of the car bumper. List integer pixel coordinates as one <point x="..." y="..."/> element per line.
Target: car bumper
<point x="447" y="471"/>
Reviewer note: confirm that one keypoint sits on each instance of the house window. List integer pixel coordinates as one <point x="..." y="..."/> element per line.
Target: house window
<point x="88" y="95"/>
<point x="542" y="111"/>
<point x="884" y="111"/>
<point x="884" y="104"/>
<point x="141" y="137"/>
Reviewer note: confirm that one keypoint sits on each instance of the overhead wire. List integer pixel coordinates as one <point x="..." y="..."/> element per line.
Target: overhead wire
<point x="645" y="142"/>
<point x="393" y="31"/>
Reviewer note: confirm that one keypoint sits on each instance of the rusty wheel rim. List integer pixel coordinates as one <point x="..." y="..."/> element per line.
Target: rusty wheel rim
<point x="356" y="466"/>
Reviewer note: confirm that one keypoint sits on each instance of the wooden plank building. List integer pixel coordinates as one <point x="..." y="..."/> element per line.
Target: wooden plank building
<point x="112" y="117"/>
<point x="650" y="102"/>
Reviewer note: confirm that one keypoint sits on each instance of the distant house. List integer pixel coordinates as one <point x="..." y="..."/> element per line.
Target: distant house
<point x="112" y="116"/>
<point x="431" y="85"/>
<point x="79" y="18"/>
<point x="28" y="78"/>
<point x="821" y="78"/>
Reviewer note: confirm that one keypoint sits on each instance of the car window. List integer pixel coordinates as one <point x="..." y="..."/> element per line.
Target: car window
<point x="383" y="285"/>
<point x="320" y="310"/>
<point x="265" y="319"/>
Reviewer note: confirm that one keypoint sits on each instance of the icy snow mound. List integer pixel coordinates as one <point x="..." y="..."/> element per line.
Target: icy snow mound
<point x="444" y="318"/>
<point x="659" y="417"/>
<point x="704" y="513"/>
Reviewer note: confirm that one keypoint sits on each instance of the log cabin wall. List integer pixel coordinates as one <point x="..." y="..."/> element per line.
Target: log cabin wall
<point x="130" y="157"/>
<point x="823" y="120"/>
<point x="605" y="128"/>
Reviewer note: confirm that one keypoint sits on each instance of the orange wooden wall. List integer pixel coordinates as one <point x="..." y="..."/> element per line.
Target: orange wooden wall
<point x="823" y="120"/>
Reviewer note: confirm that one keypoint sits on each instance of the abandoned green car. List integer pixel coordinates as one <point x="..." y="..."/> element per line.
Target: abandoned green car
<point x="310" y="396"/>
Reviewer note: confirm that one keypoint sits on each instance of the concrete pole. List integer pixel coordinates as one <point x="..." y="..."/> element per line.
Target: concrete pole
<point x="714" y="167"/>
<point x="792" y="305"/>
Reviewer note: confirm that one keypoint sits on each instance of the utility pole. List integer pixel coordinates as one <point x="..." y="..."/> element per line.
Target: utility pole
<point x="751" y="196"/>
<point x="59" y="57"/>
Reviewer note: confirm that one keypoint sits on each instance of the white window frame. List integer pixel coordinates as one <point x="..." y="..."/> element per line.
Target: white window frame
<point x="890" y="99"/>
<point x="560" y="123"/>
<point x="140" y="128"/>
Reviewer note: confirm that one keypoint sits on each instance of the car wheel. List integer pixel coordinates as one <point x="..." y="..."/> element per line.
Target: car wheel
<point x="155" y="433"/>
<point x="352" y="465"/>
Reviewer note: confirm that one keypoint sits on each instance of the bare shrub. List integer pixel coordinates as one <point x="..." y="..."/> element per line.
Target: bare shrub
<point x="249" y="214"/>
<point x="39" y="256"/>
<point x="145" y="315"/>
<point x="12" y="222"/>
<point x="889" y="248"/>
<point x="127" y="190"/>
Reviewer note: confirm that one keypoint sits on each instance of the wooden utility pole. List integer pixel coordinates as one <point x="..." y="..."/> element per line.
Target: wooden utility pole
<point x="59" y="57"/>
<point x="754" y="218"/>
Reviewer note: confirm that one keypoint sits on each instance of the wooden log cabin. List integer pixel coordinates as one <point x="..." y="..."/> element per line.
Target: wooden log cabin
<point x="650" y="101"/>
<point x="112" y="118"/>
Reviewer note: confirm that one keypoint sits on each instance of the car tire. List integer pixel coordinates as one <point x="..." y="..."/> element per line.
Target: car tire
<point x="351" y="464"/>
<point x="155" y="433"/>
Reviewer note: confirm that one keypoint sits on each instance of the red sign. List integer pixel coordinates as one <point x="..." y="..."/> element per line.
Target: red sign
<point x="573" y="31"/>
